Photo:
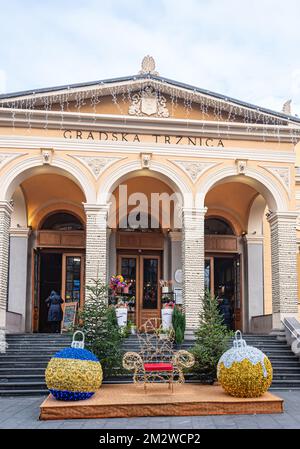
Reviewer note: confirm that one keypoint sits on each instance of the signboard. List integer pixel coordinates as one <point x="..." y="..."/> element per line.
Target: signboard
<point x="178" y="295"/>
<point x="70" y="309"/>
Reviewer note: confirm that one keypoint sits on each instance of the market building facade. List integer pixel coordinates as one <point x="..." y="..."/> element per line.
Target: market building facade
<point x="152" y="179"/>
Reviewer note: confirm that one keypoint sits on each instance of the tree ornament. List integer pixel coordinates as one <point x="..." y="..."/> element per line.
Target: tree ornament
<point x="74" y="374"/>
<point x="244" y="371"/>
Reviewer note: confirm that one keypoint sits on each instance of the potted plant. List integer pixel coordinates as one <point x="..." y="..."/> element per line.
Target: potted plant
<point x="178" y="322"/>
<point x="164" y="286"/>
<point x="122" y="313"/>
<point x="166" y="315"/>
<point x="132" y="328"/>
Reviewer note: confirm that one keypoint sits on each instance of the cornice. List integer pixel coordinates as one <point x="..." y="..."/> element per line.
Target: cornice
<point x="20" y="118"/>
<point x="110" y="147"/>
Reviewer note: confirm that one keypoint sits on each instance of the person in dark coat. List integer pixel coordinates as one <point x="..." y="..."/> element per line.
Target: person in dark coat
<point x="225" y="309"/>
<point x="55" y="313"/>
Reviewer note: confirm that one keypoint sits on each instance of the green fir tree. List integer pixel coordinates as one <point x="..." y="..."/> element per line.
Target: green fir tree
<point x="99" y="323"/>
<point x="212" y="340"/>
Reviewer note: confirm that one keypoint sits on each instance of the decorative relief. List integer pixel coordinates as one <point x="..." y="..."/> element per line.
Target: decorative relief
<point x="149" y="102"/>
<point x="148" y="66"/>
<point x="47" y="155"/>
<point x="241" y="166"/>
<point x="146" y="160"/>
<point x="282" y="173"/>
<point x="97" y="165"/>
<point x="194" y="169"/>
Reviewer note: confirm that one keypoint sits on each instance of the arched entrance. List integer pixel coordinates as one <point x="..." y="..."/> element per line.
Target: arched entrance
<point x="52" y="239"/>
<point x="222" y="266"/>
<point x="143" y="215"/>
<point x="59" y="260"/>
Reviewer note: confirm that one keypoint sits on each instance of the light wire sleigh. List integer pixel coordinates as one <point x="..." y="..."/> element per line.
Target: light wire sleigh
<point x="157" y="361"/>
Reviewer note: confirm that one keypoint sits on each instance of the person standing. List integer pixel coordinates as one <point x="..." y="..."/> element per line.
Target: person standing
<point x="226" y="311"/>
<point x="55" y="313"/>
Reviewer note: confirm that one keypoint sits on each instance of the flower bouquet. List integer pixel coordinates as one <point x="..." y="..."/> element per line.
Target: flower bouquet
<point x="117" y="283"/>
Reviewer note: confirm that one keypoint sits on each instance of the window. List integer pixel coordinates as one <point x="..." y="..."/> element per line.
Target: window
<point x="216" y="226"/>
<point x="62" y="221"/>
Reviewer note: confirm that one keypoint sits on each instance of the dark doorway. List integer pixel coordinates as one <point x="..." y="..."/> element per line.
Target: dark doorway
<point x="226" y="286"/>
<point x="50" y="279"/>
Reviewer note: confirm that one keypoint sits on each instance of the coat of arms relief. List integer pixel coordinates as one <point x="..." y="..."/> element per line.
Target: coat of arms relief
<point x="149" y="102"/>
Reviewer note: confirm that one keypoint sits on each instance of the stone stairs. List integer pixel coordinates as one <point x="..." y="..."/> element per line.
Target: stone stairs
<point x="23" y="366"/>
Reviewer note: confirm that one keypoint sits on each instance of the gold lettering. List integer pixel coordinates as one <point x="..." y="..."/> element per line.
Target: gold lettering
<point x="90" y="135"/>
<point x="105" y="134"/>
<point x="69" y="132"/>
<point x="191" y="141"/>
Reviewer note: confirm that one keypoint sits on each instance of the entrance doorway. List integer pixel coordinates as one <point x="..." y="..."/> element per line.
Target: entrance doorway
<point x="142" y="273"/>
<point x="222" y="278"/>
<point x="60" y="271"/>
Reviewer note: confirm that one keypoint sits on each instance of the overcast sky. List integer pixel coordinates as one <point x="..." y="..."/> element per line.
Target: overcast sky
<point x="248" y="49"/>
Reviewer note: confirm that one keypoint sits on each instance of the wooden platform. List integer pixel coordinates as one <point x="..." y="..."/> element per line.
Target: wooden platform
<point x="122" y="401"/>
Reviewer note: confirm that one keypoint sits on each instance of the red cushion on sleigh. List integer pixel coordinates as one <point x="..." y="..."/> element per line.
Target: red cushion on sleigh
<point x="158" y="366"/>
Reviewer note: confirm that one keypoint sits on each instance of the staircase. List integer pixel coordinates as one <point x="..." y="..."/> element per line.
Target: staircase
<point x="23" y="365"/>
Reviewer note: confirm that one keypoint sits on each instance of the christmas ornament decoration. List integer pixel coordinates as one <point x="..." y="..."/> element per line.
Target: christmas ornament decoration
<point x="244" y="371"/>
<point x="74" y="373"/>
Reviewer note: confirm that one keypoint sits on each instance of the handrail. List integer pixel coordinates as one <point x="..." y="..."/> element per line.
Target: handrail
<point x="297" y="335"/>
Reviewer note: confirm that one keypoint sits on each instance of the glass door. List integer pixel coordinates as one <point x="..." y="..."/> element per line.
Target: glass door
<point x="128" y="267"/>
<point x="72" y="279"/>
<point x="149" y="288"/>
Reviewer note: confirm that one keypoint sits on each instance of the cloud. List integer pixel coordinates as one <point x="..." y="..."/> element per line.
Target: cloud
<point x="246" y="50"/>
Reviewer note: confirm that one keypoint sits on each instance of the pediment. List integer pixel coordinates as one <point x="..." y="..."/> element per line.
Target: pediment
<point x="146" y="95"/>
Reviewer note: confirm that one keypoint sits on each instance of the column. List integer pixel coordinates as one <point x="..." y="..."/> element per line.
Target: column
<point x="18" y="256"/>
<point x="193" y="266"/>
<point x="96" y="242"/>
<point x="5" y="214"/>
<point x="284" y="266"/>
<point x="255" y="275"/>
<point x="176" y="252"/>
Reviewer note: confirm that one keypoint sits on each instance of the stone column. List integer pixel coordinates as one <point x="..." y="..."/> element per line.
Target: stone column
<point x="96" y="242"/>
<point x="192" y="266"/>
<point x="18" y="256"/>
<point x="5" y="214"/>
<point x="255" y="275"/>
<point x="176" y="258"/>
<point x="284" y="266"/>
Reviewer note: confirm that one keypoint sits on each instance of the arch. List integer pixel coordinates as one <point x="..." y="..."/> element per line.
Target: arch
<point x="19" y="217"/>
<point x="274" y="195"/>
<point x="165" y="173"/>
<point x="255" y="221"/>
<point x="33" y="165"/>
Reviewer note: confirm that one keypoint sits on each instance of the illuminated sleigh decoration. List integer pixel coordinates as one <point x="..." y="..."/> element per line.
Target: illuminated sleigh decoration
<point x="157" y="361"/>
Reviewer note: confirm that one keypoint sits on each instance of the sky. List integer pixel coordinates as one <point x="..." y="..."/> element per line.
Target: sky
<point x="249" y="50"/>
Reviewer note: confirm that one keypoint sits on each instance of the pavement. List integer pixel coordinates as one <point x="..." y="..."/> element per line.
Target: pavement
<point x="23" y="412"/>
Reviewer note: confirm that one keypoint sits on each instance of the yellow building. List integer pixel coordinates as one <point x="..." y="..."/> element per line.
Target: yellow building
<point x="153" y="179"/>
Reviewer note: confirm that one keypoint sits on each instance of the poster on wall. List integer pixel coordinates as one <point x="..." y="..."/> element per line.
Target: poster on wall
<point x="178" y="295"/>
<point x="69" y="316"/>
